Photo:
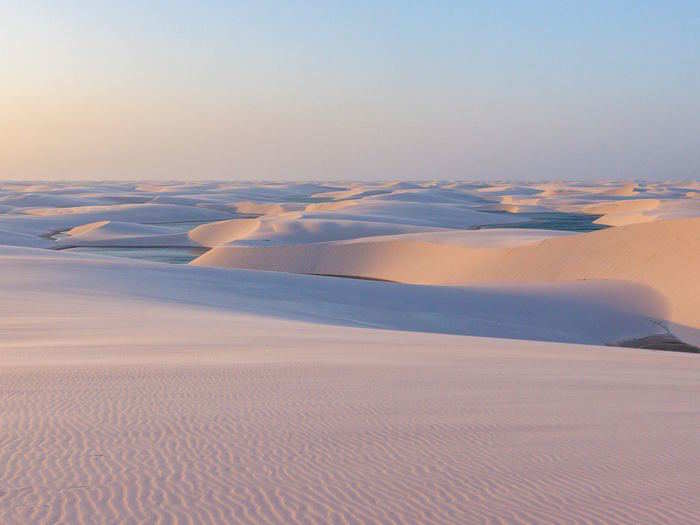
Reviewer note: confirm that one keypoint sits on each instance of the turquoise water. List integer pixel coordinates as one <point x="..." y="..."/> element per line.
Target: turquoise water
<point x="170" y="255"/>
<point x="573" y="222"/>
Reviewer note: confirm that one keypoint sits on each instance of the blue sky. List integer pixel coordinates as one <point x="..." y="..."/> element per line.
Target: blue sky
<point x="351" y="90"/>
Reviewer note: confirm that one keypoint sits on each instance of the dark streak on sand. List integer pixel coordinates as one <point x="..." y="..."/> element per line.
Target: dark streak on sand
<point x="360" y="277"/>
<point x="665" y="342"/>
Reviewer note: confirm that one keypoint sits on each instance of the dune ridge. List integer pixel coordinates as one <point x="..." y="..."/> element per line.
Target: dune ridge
<point x="586" y="312"/>
<point x="663" y="255"/>
<point x="104" y="230"/>
<point x="223" y="232"/>
<point x="621" y="213"/>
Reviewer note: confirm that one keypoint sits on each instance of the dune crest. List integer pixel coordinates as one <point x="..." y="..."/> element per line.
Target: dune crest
<point x="663" y="255"/>
<point x="86" y="228"/>
<point x="626" y="190"/>
<point x="223" y="232"/>
<point x="108" y="230"/>
<point x="624" y="212"/>
<point x="330" y="206"/>
<point x="260" y="208"/>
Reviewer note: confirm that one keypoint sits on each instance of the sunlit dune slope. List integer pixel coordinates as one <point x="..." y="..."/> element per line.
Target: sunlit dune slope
<point x="664" y="255"/>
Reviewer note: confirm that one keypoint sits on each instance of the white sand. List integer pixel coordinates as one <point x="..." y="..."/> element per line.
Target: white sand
<point x="149" y="213"/>
<point x="591" y="312"/>
<point x="223" y="232"/>
<point x="663" y="255"/>
<point x="137" y="392"/>
<point x="108" y="230"/>
<point x="121" y="408"/>
<point x="620" y="213"/>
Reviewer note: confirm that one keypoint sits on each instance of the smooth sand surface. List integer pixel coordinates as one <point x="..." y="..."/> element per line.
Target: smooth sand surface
<point x="590" y="312"/>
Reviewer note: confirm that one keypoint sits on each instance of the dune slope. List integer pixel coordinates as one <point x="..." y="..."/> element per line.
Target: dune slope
<point x="662" y="255"/>
<point x="136" y="392"/>
<point x="592" y="312"/>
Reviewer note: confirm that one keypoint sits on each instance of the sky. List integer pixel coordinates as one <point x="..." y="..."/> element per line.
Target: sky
<point x="363" y="90"/>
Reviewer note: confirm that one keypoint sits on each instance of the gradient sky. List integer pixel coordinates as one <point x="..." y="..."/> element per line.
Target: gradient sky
<point x="349" y="90"/>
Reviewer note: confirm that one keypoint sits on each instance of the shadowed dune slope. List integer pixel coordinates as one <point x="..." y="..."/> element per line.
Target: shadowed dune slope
<point x="663" y="255"/>
<point x="590" y="312"/>
<point x="103" y="230"/>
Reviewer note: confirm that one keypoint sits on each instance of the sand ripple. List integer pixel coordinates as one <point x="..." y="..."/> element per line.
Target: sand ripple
<point x="503" y="439"/>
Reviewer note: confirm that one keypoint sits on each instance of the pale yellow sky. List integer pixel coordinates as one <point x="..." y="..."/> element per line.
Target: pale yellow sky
<point x="387" y="90"/>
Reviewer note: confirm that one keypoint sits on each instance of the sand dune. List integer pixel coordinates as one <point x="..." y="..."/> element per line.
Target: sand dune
<point x="590" y="312"/>
<point x="106" y="234"/>
<point x="330" y="206"/>
<point x="487" y="238"/>
<point x="618" y="204"/>
<point x="136" y="392"/>
<point x="224" y="232"/>
<point x="39" y="200"/>
<point x="663" y="255"/>
<point x="625" y="190"/>
<point x="143" y="392"/>
<point x="520" y="202"/>
<point x="103" y="230"/>
<point x="620" y="213"/>
<point x="149" y="213"/>
<point x="261" y="208"/>
<point x="417" y="213"/>
<point x="356" y="191"/>
<point x="291" y="228"/>
<point x="299" y="230"/>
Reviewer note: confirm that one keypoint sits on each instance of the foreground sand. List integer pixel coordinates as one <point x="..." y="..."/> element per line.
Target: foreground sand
<point x="294" y="423"/>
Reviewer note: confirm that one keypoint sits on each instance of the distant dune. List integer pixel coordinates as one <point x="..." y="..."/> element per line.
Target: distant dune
<point x="621" y="213"/>
<point x="223" y="232"/>
<point x="625" y="190"/>
<point x="104" y="230"/>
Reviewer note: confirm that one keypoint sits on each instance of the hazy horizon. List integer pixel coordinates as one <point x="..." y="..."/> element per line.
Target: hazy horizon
<point x="368" y="91"/>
